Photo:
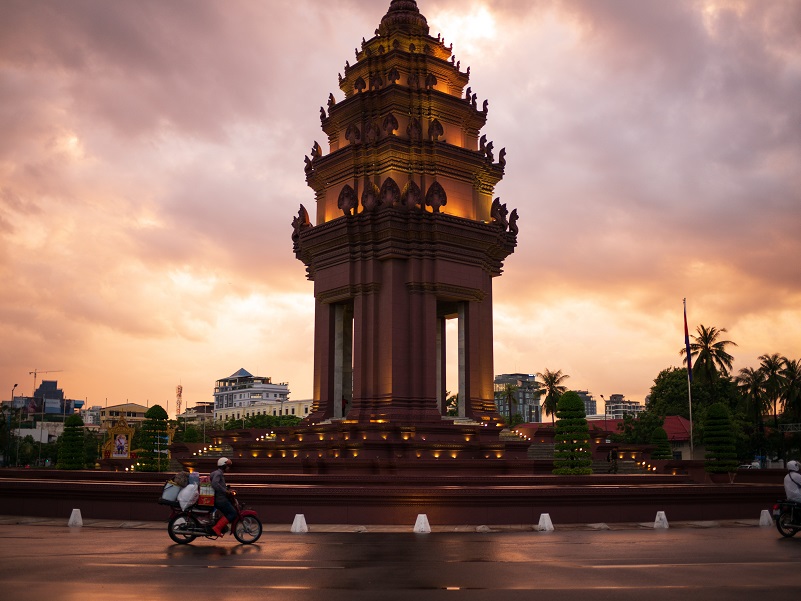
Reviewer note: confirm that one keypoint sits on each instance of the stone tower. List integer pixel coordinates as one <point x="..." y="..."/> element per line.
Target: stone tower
<point x="405" y="235"/>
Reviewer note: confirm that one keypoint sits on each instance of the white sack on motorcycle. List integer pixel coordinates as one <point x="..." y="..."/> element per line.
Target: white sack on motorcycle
<point x="188" y="496"/>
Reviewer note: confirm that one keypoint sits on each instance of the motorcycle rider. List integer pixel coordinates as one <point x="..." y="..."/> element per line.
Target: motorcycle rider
<point x="792" y="481"/>
<point x="222" y="495"/>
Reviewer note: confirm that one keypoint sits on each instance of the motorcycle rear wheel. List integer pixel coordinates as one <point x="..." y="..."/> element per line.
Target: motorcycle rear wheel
<point x="178" y="526"/>
<point x="783" y="524"/>
<point x="248" y="529"/>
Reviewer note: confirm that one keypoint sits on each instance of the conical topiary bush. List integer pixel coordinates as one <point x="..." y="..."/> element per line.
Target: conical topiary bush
<point x="572" y="454"/>
<point x="660" y="440"/>
<point x="721" y="451"/>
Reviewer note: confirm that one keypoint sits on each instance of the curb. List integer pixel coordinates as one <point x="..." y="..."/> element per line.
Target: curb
<point x="405" y="528"/>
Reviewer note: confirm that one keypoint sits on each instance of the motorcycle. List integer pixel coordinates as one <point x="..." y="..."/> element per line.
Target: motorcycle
<point x="185" y="525"/>
<point x="787" y="515"/>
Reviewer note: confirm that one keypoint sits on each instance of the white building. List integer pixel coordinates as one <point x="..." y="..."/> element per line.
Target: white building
<point x="91" y="416"/>
<point x="244" y="395"/>
<point x="617" y="407"/>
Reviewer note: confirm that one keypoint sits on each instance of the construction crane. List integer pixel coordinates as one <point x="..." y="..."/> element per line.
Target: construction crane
<point x="35" y="372"/>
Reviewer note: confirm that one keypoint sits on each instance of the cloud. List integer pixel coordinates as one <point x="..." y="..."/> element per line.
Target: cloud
<point x="151" y="164"/>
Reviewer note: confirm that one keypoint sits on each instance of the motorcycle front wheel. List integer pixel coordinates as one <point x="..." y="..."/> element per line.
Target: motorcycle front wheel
<point x="783" y="524"/>
<point x="180" y="529"/>
<point x="247" y="529"/>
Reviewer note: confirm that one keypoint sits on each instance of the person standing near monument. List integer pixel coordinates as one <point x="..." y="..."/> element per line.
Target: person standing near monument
<point x="221" y="495"/>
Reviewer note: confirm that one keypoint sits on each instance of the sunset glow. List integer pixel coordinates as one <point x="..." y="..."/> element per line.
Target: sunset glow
<point x="151" y="163"/>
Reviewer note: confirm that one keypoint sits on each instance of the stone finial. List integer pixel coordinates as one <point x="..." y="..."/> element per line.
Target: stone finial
<point x="435" y="130"/>
<point x="513" y="222"/>
<point x="300" y="223"/>
<point x="498" y="213"/>
<point x="347" y="200"/>
<point x="390" y="124"/>
<point x="412" y="196"/>
<point x="353" y="134"/>
<point x="371" y="197"/>
<point x="436" y="197"/>
<point x="414" y="130"/>
<point x="390" y="193"/>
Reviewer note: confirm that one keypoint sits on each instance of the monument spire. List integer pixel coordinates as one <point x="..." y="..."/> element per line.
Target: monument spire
<point x="406" y="233"/>
<point x="403" y="14"/>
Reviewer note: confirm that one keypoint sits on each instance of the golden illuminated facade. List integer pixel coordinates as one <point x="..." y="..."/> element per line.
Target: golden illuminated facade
<point x="406" y="233"/>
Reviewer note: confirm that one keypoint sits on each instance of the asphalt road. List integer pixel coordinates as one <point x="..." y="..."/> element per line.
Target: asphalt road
<point x="54" y="562"/>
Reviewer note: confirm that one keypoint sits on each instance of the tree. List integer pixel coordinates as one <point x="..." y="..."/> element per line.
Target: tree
<point x="659" y="439"/>
<point x="751" y="384"/>
<point x="510" y="399"/>
<point x="669" y="393"/>
<point x="572" y="452"/>
<point x="719" y="438"/>
<point x="155" y="440"/>
<point x="71" y="452"/>
<point x="709" y="352"/>
<point x="771" y="368"/>
<point x="639" y="429"/>
<point x="91" y="447"/>
<point x="791" y="388"/>
<point x="554" y="389"/>
<point x="452" y="404"/>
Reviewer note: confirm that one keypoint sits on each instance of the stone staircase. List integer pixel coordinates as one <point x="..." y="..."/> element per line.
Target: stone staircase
<point x="624" y="466"/>
<point x="541" y="451"/>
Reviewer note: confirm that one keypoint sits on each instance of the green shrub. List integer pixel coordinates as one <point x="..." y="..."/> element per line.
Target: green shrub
<point x="719" y="439"/>
<point x="155" y="441"/>
<point x="572" y="453"/>
<point x="659" y="439"/>
<point x="71" y="454"/>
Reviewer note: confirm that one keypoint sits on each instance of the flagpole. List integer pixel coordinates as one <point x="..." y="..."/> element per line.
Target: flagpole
<point x="689" y="379"/>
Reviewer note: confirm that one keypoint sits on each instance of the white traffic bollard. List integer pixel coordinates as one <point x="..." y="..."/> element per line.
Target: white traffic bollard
<point x="299" y="525"/>
<point x="765" y="519"/>
<point x="421" y="526"/>
<point x="545" y="525"/>
<point x="661" y="520"/>
<point x="76" y="521"/>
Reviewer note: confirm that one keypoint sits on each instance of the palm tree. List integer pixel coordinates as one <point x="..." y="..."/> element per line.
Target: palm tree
<point x="553" y="388"/>
<point x="510" y="398"/>
<point x="771" y="368"/>
<point x="791" y="387"/>
<point x="751" y="383"/>
<point x="709" y="352"/>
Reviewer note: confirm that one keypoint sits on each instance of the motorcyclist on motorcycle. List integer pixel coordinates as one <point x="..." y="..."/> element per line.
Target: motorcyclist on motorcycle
<point x="792" y="481"/>
<point x="222" y="495"/>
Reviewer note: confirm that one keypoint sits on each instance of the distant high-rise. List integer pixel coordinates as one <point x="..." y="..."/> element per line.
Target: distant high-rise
<point x="617" y="406"/>
<point x="590" y="405"/>
<point x="527" y="396"/>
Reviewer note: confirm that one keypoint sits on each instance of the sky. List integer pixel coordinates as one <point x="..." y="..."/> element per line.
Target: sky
<point x="151" y="162"/>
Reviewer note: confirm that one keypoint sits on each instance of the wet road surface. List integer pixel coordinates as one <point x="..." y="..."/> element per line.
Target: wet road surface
<point x="39" y="562"/>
